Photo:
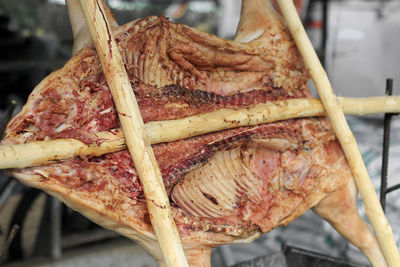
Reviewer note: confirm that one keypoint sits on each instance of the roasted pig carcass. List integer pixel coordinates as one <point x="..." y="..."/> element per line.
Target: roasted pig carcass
<point x="224" y="187"/>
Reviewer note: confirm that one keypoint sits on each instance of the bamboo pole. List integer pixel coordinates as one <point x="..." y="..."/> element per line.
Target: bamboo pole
<point x="346" y="138"/>
<point x="133" y="128"/>
<point x="46" y="152"/>
<point x="52" y="151"/>
<point x="369" y="105"/>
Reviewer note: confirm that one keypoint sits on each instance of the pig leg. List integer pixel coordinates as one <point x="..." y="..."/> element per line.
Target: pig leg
<point x="340" y="210"/>
<point x="80" y="30"/>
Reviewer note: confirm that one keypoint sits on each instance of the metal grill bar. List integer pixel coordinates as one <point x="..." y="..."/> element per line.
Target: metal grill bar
<point x="385" y="148"/>
<point x="385" y="151"/>
<point x="392" y="188"/>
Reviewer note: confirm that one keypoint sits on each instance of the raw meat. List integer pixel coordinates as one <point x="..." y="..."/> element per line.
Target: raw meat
<point x="228" y="186"/>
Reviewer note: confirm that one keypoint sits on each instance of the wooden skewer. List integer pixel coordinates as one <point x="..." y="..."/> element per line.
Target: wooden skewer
<point x="45" y="152"/>
<point x="367" y="190"/>
<point x="133" y="128"/>
<point x="370" y="105"/>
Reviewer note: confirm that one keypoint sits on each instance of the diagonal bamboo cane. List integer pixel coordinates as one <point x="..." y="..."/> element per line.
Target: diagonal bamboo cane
<point x="367" y="190"/>
<point x="133" y="128"/>
<point x="46" y="152"/>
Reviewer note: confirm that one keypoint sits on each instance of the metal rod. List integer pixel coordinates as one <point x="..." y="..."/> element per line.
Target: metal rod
<point x="392" y="188"/>
<point x="7" y="243"/>
<point x="8" y="189"/>
<point x="324" y="32"/>
<point x="385" y="149"/>
<point x="55" y="228"/>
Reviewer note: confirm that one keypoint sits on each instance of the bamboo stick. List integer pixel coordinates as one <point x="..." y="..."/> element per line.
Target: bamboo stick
<point x="133" y="128"/>
<point x="172" y="130"/>
<point x="373" y="208"/>
<point x="370" y="105"/>
<point x="46" y="152"/>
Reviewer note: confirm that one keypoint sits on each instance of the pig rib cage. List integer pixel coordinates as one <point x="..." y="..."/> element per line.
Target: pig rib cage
<point x="55" y="210"/>
<point x="56" y="242"/>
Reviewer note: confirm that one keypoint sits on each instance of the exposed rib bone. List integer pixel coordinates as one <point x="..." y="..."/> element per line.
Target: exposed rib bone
<point x="44" y="152"/>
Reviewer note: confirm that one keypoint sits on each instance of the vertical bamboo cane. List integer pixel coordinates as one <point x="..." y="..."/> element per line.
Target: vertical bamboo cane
<point x="346" y="138"/>
<point x="133" y="128"/>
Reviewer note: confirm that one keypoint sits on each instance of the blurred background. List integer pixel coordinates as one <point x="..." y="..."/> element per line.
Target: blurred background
<point x="357" y="41"/>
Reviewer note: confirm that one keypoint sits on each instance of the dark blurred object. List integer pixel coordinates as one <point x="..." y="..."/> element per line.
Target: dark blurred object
<point x="16" y="248"/>
<point x="7" y="116"/>
<point x="316" y="22"/>
<point x="9" y="239"/>
<point x="276" y="259"/>
<point x="24" y="61"/>
<point x="296" y="257"/>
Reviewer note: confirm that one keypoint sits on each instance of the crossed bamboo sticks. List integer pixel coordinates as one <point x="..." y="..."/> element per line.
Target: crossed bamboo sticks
<point x="138" y="136"/>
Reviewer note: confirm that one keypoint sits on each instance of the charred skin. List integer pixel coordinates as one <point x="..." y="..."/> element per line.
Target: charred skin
<point x="225" y="187"/>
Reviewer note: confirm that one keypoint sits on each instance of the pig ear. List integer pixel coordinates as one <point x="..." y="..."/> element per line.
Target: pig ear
<point x="258" y="21"/>
<point x="80" y="30"/>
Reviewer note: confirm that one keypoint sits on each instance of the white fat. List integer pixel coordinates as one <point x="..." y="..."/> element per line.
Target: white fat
<point x="72" y="172"/>
<point x="33" y="127"/>
<point x="250" y="36"/>
<point x="105" y="196"/>
<point x="276" y="144"/>
<point x="26" y="135"/>
<point x="176" y="105"/>
<point x="42" y="173"/>
<point x="125" y="206"/>
<point x="295" y="73"/>
<point x="247" y="212"/>
<point x="105" y="111"/>
<point x="61" y="128"/>
<point x="93" y="125"/>
<point x="55" y="171"/>
<point x="276" y="37"/>
<point x="74" y="110"/>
